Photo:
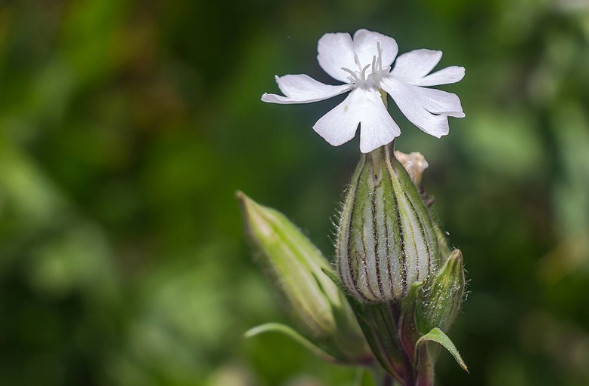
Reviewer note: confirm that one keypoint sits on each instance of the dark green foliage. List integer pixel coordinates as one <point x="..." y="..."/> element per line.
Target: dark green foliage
<point x="127" y="126"/>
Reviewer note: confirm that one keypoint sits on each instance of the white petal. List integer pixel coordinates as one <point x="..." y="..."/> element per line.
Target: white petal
<point x="377" y="128"/>
<point x="362" y="107"/>
<point x="366" y="47"/>
<point x="440" y="102"/>
<point x="303" y="89"/>
<point x="416" y="64"/>
<point x="427" y="109"/>
<point x="336" y="50"/>
<point x="339" y="125"/>
<point x="447" y="75"/>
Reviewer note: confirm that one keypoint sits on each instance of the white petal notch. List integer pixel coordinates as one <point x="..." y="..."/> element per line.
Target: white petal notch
<point x="334" y="52"/>
<point x="363" y="64"/>
<point x="365" y="43"/>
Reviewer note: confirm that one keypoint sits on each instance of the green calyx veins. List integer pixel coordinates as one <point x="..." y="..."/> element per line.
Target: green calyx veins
<point x="396" y="287"/>
<point x="393" y="261"/>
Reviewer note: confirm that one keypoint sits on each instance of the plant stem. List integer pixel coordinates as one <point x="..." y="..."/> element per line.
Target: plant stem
<point x="425" y="368"/>
<point x="382" y="378"/>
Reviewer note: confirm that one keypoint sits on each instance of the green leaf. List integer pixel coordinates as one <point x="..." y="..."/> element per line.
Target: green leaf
<point x="289" y="331"/>
<point x="364" y="378"/>
<point x="438" y="336"/>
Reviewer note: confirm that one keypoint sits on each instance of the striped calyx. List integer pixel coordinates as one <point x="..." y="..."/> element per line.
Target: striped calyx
<point x="386" y="240"/>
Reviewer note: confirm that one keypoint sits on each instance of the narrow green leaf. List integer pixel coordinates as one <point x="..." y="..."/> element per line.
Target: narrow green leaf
<point x="290" y="332"/>
<point x="438" y="336"/>
<point x="364" y="378"/>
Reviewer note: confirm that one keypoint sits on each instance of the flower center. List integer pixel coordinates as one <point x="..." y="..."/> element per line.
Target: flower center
<point x="364" y="79"/>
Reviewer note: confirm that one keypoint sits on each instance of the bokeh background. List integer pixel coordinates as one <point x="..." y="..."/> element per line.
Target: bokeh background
<point x="127" y="126"/>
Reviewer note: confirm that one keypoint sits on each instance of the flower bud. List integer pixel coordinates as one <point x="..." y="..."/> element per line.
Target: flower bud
<point x="386" y="240"/>
<point x="442" y="300"/>
<point x="300" y="273"/>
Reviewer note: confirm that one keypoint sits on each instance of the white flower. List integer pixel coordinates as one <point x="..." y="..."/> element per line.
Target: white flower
<point x="364" y="65"/>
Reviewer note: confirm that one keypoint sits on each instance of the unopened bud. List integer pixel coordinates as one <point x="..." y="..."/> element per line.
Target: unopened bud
<point x="386" y="240"/>
<point x="442" y="300"/>
<point x="300" y="273"/>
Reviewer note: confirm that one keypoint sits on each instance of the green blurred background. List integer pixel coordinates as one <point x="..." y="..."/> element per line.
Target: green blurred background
<point x="127" y="126"/>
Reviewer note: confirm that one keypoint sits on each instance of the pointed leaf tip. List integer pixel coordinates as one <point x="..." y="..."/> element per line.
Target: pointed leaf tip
<point x="290" y="332"/>
<point x="436" y="335"/>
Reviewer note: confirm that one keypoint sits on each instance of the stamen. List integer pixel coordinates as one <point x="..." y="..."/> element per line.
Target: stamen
<point x="379" y="49"/>
<point x="354" y="76"/>
<point x="364" y="72"/>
